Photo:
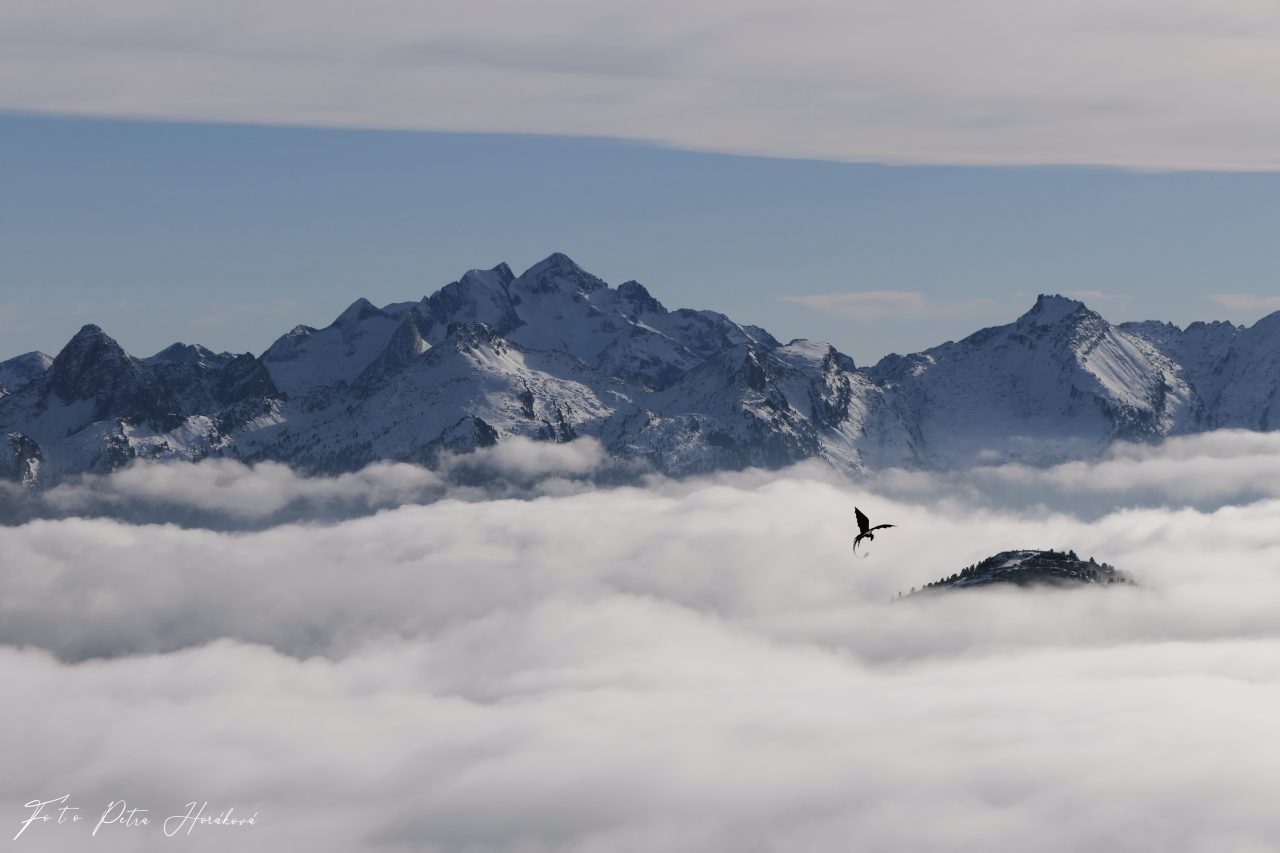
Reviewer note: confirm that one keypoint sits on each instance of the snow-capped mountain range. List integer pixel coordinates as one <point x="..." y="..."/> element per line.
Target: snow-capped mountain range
<point x="555" y="353"/>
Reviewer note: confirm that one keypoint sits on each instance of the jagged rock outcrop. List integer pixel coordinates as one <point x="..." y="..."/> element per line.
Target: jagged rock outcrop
<point x="20" y="459"/>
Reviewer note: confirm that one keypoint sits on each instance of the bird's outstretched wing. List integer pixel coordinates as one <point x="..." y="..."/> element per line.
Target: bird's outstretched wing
<point x="863" y="522"/>
<point x="878" y="526"/>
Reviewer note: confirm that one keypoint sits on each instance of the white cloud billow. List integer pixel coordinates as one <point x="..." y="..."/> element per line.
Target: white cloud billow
<point x="227" y="492"/>
<point x="240" y="491"/>
<point x="1170" y="84"/>
<point x="520" y="458"/>
<point x="1208" y="471"/>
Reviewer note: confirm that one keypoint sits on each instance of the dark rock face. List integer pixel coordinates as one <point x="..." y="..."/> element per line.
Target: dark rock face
<point x="1051" y="568"/>
<point x="478" y="297"/>
<point x="407" y="343"/>
<point x="204" y="381"/>
<point x="557" y="272"/>
<point x="93" y="367"/>
<point x="97" y="408"/>
<point x="242" y="378"/>
<point x="20" y="459"/>
<point x="637" y="298"/>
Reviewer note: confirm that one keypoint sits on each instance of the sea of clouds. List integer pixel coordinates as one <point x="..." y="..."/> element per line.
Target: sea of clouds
<point x="389" y="660"/>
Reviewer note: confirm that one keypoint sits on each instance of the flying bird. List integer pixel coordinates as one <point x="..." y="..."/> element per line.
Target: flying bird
<point x="865" y="530"/>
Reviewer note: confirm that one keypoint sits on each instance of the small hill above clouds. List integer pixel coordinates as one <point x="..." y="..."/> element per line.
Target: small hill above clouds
<point x="1062" y="569"/>
<point x="556" y="353"/>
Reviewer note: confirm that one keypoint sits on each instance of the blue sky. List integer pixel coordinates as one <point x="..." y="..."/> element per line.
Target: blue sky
<point x="883" y="174"/>
<point x="228" y="235"/>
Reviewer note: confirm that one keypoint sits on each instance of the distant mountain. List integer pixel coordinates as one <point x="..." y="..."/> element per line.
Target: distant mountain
<point x="1059" y="383"/>
<point x="556" y="353"/>
<point x="1030" y="568"/>
<point x="20" y="370"/>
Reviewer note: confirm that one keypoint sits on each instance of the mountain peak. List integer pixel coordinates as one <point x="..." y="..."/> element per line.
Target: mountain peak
<point x="556" y="260"/>
<point x="635" y="295"/>
<point x="92" y="366"/>
<point x="361" y="309"/>
<point x="1051" y="309"/>
<point x="180" y="353"/>
<point x="479" y="296"/>
<point x="498" y="277"/>
<point x="87" y="350"/>
<point x="90" y="340"/>
<point x="548" y="274"/>
<point x="21" y="369"/>
<point x="35" y="359"/>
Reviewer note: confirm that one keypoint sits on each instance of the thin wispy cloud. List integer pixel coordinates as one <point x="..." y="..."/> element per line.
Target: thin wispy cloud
<point x="889" y="304"/>
<point x="1099" y="296"/>
<point x="223" y="313"/>
<point x="922" y="81"/>
<point x="866" y="304"/>
<point x="90" y="309"/>
<point x="9" y="314"/>
<point x="1249" y="302"/>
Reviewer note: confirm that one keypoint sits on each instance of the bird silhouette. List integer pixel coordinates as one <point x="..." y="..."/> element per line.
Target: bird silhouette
<point x="865" y="530"/>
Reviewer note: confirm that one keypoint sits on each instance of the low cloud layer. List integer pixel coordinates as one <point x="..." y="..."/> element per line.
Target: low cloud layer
<point x="701" y="738"/>
<point x="1139" y="83"/>
<point x="1206" y="471"/>
<point x="688" y="666"/>
<point x="227" y="494"/>
<point x="225" y="486"/>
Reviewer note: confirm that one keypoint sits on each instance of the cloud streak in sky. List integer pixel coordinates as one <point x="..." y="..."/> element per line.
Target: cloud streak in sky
<point x="882" y="304"/>
<point x="866" y="304"/>
<point x="1247" y="302"/>
<point x="1133" y="83"/>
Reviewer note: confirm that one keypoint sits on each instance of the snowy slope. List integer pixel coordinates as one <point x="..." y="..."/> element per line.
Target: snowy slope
<point x="306" y="359"/>
<point x="471" y="388"/>
<point x="1058" y="383"/>
<point x="97" y="407"/>
<point x="18" y="371"/>
<point x="1235" y="370"/>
